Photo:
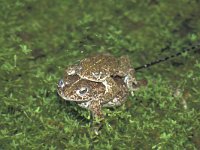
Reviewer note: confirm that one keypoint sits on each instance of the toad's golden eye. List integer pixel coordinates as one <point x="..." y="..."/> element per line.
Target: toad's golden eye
<point x="82" y="91"/>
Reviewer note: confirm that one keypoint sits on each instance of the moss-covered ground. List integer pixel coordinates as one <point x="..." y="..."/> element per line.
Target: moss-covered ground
<point x="40" y="38"/>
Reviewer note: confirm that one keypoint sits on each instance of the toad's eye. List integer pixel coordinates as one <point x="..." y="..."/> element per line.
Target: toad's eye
<point x="82" y="91"/>
<point x="61" y="83"/>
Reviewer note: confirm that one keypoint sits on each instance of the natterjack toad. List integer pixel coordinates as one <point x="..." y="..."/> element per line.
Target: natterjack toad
<point x="102" y="68"/>
<point x="91" y="95"/>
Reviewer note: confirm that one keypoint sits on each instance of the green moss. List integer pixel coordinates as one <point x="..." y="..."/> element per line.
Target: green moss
<point x="40" y="38"/>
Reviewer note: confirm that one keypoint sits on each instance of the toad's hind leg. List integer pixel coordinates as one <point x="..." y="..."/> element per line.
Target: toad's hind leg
<point x="117" y="101"/>
<point x="128" y="72"/>
<point x="130" y="80"/>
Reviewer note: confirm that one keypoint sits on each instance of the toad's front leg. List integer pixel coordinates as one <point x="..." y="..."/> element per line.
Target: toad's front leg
<point x="97" y="115"/>
<point x="111" y="89"/>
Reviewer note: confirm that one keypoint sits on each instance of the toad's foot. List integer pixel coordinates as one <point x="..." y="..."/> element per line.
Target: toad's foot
<point x="142" y="82"/>
<point x="72" y="70"/>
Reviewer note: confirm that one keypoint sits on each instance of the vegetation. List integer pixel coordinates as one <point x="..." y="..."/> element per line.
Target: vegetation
<point x="40" y="38"/>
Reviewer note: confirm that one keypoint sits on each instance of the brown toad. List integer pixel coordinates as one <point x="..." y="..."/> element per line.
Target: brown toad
<point x="102" y="68"/>
<point x="91" y="95"/>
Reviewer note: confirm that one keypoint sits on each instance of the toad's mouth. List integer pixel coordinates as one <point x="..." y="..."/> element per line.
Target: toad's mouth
<point x="60" y="93"/>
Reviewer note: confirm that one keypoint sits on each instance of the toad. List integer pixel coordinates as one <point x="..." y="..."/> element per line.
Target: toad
<point x="91" y="95"/>
<point x="102" y="68"/>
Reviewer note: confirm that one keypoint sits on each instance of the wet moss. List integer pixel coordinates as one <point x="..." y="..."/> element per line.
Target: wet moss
<point x="40" y="38"/>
